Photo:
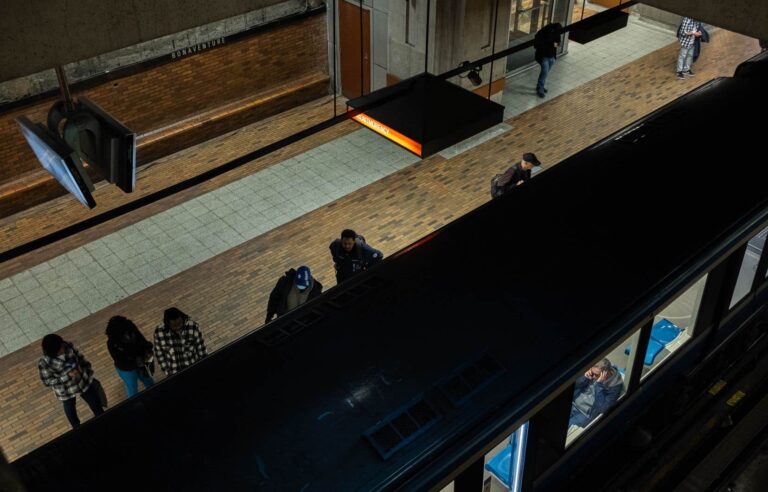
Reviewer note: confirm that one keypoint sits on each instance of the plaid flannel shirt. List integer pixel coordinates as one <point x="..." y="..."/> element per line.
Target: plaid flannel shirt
<point x="177" y="350"/>
<point x="688" y="25"/>
<point x="54" y="372"/>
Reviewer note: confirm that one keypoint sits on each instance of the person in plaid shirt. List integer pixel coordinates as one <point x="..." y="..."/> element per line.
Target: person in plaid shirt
<point x="65" y="370"/>
<point x="178" y="342"/>
<point x="687" y="33"/>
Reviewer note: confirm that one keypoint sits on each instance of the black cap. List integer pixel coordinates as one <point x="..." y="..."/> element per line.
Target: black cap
<point x="531" y="157"/>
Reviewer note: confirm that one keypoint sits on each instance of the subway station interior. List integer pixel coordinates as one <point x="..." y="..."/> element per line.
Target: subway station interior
<point x="546" y="269"/>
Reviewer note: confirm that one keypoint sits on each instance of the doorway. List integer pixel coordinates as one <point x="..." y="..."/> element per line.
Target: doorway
<point x="355" y="56"/>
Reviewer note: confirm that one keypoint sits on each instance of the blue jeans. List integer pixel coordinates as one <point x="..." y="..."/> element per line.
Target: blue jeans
<point x="546" y="66"/>
<point x="684" y="59"/>
<point x="131" y="380"/>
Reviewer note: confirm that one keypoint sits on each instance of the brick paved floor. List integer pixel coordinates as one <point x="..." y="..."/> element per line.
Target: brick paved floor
<point x="227" y="293"/>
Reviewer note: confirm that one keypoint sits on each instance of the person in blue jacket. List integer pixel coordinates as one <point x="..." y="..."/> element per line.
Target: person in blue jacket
<point x="596" y="391"/>
<point x="351" y="255"/>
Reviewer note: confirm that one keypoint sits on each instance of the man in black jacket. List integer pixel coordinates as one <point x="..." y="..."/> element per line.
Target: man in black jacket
<point x="291" y="291"/>
<point x="352" y="255"/>
<point x="545" y="43"/>
<point x="515" y="175"/>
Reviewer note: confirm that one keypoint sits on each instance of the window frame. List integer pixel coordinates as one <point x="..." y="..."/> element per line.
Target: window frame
<point x="694" y="328"/>
<point x="759" y="282"/>
<point x="642" y="331"/>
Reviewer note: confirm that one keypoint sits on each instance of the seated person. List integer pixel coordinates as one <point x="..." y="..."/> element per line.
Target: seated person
<point x="596" y="391"/>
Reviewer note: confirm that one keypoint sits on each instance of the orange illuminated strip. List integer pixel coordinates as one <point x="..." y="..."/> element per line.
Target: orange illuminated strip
<point x="388" y="133"/>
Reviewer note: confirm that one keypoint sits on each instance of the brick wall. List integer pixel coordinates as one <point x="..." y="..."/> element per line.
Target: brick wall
<point x="165" y="94"/>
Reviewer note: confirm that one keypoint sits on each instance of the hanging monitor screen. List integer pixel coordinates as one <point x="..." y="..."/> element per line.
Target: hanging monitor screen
<point x="59" y="160"/>
<point x="117" y="146"/>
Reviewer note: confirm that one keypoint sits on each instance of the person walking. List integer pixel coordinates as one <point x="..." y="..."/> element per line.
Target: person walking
<point x="545" y="44"/>
<point x="514" y="176"/>
<point x="69" y="374"/>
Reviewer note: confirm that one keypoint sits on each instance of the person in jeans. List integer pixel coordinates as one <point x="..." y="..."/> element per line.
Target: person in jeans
<point x="687" y="33"/>
<point x="65" y="370"/>
<point x="178" y="342"/>
<point x="131" y="353"/>
<point x="545" y="44"/>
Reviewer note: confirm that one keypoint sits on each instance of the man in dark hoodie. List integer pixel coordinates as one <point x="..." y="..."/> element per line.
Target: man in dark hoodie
<point x="291" y="291"/>
<point x="131" y="352"/>
<point x="546" y="43"/>
<point x="351" y="255"/>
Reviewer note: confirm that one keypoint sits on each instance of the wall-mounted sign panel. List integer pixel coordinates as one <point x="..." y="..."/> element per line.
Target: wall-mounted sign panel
<point x="387" y="132"/>
<point x="425" y="114"/>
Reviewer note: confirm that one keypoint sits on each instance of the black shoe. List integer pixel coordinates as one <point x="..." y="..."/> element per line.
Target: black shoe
<point x="680" y="76"/>
<point x="689" y="73"/>
<point x="545" y="90"/>
<point x="540" y="94"/>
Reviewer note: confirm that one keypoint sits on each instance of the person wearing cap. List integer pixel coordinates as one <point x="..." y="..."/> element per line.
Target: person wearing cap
<point x="515" y="175"/>
<point x="292" y="290"/>
<point x="352" y="255"/>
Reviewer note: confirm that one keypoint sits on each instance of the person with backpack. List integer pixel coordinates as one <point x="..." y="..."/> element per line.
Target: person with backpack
<point x="131" y="352"/>
<point x="351" y="255"/>
<point x="545" y="44"/>
<point x="514" y="176"/>
<point x="65" y="370"/>
<point x="291" y="291"/>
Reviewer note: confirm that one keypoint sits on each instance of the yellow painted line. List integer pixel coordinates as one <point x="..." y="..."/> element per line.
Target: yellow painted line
<point x="715" y="389"/>
<point x="735" y="398"/>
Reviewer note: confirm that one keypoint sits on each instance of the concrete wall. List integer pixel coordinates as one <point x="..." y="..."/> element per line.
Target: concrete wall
<point x="458" y="30"/>
<point x="408" y="36"/>
<point x="465" y="31"/>
<point x="748" y="17"/>
<point x="56" y="32"/>
<point x="37" y="83"/>
<point x="657" y="15"/>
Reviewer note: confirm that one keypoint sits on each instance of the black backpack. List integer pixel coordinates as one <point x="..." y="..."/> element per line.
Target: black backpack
<point x="361" y="240"/>
<point x="496" y="189"/>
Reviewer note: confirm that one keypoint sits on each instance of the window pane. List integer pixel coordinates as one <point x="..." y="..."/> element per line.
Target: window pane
<point x="504" y="464"/>
<point x="673" y="327"/>
<point x="748" y="268"/>
<point x="599" y="389"/>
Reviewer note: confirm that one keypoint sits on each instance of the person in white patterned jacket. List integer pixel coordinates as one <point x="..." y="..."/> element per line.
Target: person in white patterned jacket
<point x="688" y="31"/>
<point x="178" y="342"/>
<point x="65" y="370"/>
